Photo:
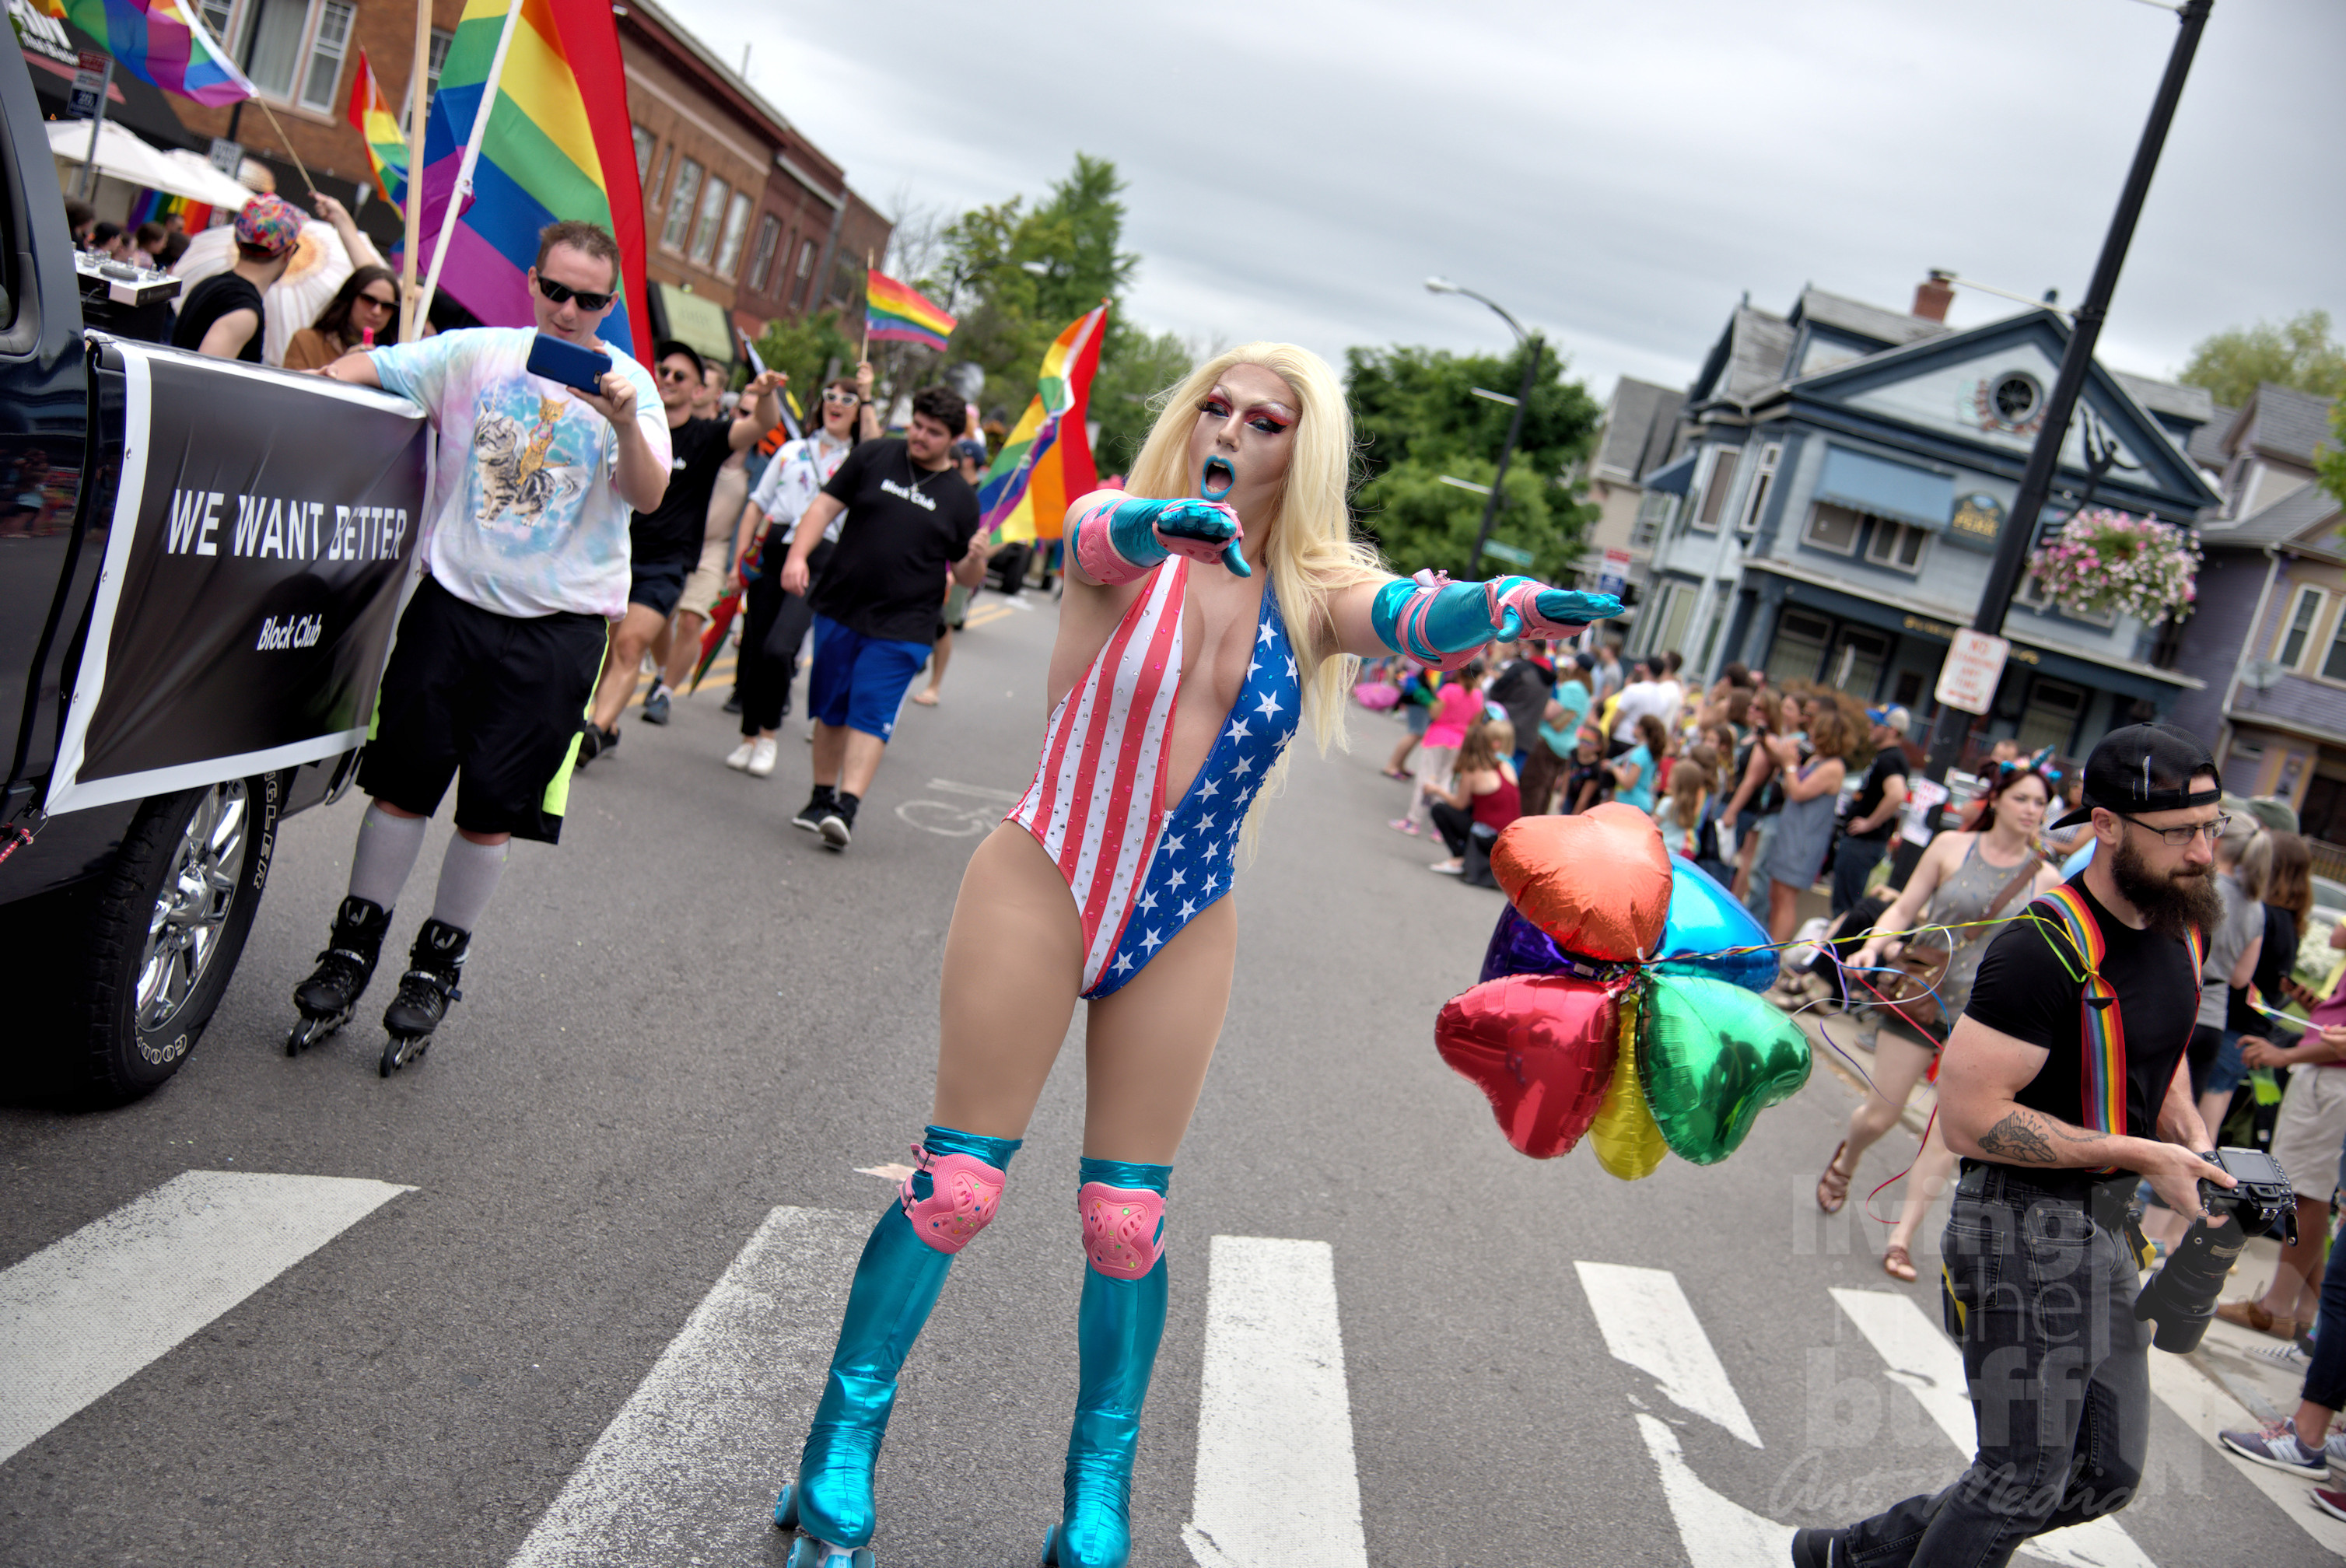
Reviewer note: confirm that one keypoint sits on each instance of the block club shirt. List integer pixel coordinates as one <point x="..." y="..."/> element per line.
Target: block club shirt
<point x="526" y="519"/>
<point x="905" y="528"/>
<point x="698" y="449"/>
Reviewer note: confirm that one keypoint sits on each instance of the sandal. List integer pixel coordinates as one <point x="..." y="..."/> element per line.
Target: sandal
<point x="2252" y="1314"/>
<point x="1397" y="773"/>
<point x="1832" y="1187"/>
<point x="1404" y="825"/>
<point x="1898" y="1263"/>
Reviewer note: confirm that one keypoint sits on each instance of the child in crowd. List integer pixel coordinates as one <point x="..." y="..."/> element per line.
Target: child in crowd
<point x="1484" y="791"/>
<point x="1588" y="778"/>
<point x="1680" y="812"/>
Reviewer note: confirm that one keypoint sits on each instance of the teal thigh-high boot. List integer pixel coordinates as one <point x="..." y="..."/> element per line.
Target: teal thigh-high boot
<point x="945" y="1203"/>
<point x="1116" y="1332"/>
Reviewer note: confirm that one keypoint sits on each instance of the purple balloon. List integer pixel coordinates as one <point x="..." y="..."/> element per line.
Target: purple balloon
<point x="1519" y="947"/>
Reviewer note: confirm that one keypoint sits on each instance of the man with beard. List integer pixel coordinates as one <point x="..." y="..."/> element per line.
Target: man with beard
<point x="2062" y="1081"/>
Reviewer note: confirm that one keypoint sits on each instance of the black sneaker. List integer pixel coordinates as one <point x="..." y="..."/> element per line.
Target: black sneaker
<point x="656" y="706"/>
<point x="606" y="741"/>
<point x="733" y="703"/>
<point x="590" y="745"/>
<point x="838" y="824"/>
<point x="1814" y="1549"/>
<point x="819" y="805"/>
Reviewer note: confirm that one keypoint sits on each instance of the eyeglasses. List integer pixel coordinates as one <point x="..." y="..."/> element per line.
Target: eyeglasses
<point x="561" y="294"/>
<point x="2181" y="836"/>
<point x="843" y="398"/>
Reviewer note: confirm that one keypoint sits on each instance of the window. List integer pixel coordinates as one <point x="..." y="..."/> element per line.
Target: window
<point x="704" y="225"/>
<point x="2017" y="397"/>
<point x="1895" y="546"/>
<point x="219" y="15"/>
<point x="327" y="45"/>
<point x="646" y="144"/>
<point x="1715" y="488"/>
<point x="1857" y="663"/>
<point x="1670" y="616"/>
<point x="1834" y="527"/>
<point x="729" y="243"/>
<point x="2333" y="663"/>
<point x="679" y="205"/>
<point x="1655" y="510"/>
<point x="805" y="271"/>
<point x="438" y="56"/>
<point x="274" y="50"/>
<point x="2051" y="716"/>
<point x="761" y="256"/>
<point x="1797" y="652"/>
<point x="1756" y="496"/>
<point x="659" y="175"/>
<point x="2303" y="612"/>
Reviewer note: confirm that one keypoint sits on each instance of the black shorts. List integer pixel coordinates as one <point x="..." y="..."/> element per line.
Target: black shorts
<point x="500" y="697"/>
<point x="659" y="585"/>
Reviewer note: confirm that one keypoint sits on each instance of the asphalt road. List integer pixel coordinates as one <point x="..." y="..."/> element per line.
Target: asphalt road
<point x="634" y="1153"/>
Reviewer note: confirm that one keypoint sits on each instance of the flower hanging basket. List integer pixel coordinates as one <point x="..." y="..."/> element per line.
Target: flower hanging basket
<point x="2103" y="562"/>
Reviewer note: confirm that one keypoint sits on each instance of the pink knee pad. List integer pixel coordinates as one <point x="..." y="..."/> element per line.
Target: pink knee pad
<point x="1121" y="1225"/>
<point x="963" y="1194"/>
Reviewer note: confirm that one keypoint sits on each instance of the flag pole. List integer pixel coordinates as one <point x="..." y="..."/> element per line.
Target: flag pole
<point x="286" y="142"/>
<point x="863" y="352"/>
<point x="418" y="71"/>
<point x="463" y="188"/>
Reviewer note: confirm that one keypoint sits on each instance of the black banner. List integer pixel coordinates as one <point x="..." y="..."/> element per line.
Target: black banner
<point x="262" y="537"/>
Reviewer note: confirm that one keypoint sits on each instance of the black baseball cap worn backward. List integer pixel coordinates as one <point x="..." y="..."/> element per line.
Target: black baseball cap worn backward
<point x="2145" y="767"/>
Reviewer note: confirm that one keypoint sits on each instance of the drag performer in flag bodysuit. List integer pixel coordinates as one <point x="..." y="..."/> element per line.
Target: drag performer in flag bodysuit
<point x="1197" y="631"/>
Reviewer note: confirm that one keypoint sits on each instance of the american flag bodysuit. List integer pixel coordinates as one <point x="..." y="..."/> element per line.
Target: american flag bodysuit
<point x="1138" y="871"/>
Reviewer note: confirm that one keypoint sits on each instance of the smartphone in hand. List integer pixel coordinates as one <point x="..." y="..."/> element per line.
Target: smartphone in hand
<point x="568" y="363"/>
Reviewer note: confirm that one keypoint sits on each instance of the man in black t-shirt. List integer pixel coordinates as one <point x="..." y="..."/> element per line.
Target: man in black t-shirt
<point x="909" y="521"/>
<point x="226" y="316"/>
<point x="1879" y="800"/>
<point x="664" y="544"/>
<point x="2040" y="1253"/>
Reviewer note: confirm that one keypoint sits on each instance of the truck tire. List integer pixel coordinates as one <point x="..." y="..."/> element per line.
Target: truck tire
<point x="171" y="917"/>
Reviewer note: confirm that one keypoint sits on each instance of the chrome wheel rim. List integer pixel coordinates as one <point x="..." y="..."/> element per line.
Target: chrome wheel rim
<point x="184" y="929"/>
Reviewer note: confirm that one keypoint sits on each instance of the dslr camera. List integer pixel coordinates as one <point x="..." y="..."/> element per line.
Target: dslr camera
<point x="2182" y="1296"/>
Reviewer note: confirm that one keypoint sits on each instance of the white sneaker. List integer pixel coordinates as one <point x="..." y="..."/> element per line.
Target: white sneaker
<point x="762" y="759"/>
<point x="738" y="758"/>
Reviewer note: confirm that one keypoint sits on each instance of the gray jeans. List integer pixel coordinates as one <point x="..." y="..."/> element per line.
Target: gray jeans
<point x="2059" y="1373"/>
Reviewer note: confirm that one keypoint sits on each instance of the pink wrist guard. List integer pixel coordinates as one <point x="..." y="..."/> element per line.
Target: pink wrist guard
<point x="1121" y="1228"/>
<point x="1096" y="549"/>
<point x="964" y="1194"/>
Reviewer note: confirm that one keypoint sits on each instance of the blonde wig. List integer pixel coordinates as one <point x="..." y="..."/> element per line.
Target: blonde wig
<point x="1308" y="538"/>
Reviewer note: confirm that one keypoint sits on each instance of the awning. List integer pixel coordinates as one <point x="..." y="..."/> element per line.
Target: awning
<point x="695" y="319"/>
<point x="1887" y="489"/>
<point x="1672" y="477"/>
<point x="121" y="153"/>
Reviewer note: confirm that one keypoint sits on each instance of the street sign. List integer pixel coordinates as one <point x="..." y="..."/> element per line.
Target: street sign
<point x="88" y="86"/>
<point x="1974" y="665"/>
<point x="227" y="157"/>
<point x="1615" y="574"/>
<point x="1506" y="553"/>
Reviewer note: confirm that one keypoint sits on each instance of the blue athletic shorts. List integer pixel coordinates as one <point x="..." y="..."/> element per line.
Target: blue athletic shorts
<point x="859" y="681"/>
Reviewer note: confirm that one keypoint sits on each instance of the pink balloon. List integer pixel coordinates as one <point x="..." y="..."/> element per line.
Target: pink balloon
<point x="1542" y="1047"/>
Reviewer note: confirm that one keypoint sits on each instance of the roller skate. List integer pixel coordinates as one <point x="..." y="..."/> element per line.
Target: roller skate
<point x="435" y="963"/>
<point x="328" y="998"/>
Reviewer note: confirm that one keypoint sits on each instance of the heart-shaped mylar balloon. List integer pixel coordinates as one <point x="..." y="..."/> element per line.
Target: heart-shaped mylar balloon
<point x="1705" y="918"/>
<point x="1710" y="1057"/>
<point x="1519" y="947"/>
<point x="1542" y="1047"/>
<point x="1628" y="1143"/>
<point x="1598" y="882"/>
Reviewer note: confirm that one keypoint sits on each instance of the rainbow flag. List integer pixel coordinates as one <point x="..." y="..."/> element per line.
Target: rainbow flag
<point x="160" y="42"/>
<point x="372" y="118"/>
<point x="1046" y="463"/>
<point x="896" y="314"/>
<point x="557" y="145"/>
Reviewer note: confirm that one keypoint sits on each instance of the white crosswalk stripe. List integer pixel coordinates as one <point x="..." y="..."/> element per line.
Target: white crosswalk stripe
<point x="2207" y="1408"/>
<point x="80" y="1317"/>
<point x="1647" y="1323"/>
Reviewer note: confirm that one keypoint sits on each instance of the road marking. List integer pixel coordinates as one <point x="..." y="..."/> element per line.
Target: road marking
<point x="1648" y="1323"/>
<point x="1923" y="1360"/>
<point x="80" y="1317"/>
<point x="1277" y="1486"/>
<point x="2206" y="1408"/>
<point x="985" y="616"/>
<point x="948" y="787"/>
<point x="686" y="1472"/>
<point x="1717" y="1531"/>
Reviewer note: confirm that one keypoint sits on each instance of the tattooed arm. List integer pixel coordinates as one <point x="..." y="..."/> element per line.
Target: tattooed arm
<point x="1982" y="1071"/>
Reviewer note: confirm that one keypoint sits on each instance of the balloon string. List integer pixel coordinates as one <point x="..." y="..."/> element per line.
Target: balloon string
<point x="1928" y="1123"/>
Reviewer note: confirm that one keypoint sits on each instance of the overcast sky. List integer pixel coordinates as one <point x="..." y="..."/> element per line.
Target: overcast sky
<point x="1616" y="175"/>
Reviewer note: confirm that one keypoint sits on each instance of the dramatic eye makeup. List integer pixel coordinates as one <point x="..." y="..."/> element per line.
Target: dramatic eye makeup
<point x="1270" y="419"/>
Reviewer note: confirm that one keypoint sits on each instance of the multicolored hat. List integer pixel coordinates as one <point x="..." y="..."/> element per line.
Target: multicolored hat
<point x="269" y="223"/>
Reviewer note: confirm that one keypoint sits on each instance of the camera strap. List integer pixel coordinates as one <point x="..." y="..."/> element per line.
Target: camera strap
<point x="2101" y="1028"/>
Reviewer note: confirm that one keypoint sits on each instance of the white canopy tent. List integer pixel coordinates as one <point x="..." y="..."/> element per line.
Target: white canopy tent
<point x="128" y="158"/>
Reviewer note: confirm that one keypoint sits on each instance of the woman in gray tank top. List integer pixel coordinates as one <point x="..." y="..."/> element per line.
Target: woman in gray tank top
<point x="1962" y="878"/>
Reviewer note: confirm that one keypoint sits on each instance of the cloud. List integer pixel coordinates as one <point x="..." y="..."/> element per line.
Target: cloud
<point x="1617" y="176"/>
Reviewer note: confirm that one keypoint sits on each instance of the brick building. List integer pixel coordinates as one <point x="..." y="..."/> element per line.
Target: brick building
<point x="745" y="219"/>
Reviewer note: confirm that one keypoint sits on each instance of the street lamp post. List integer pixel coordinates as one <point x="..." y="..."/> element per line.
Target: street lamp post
<point x="1515" y="420"/>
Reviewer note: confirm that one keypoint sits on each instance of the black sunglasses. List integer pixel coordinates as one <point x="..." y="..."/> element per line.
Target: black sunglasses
<point x="561" y="294"/>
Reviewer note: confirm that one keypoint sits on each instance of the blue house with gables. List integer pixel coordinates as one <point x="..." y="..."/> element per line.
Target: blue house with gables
<point x="1845" y="474"/>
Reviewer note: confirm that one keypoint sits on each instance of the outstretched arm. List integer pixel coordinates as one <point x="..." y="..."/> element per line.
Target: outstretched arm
<point x="1438" y="622"/>
<point x="1120" y="537"/>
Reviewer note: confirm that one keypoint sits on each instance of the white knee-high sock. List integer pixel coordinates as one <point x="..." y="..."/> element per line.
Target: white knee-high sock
<point x="468" y="876"/>
<point x="385" y="854"/>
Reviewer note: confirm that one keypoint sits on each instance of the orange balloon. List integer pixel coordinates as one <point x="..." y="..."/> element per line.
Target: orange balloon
<point x="1598" y="882"/>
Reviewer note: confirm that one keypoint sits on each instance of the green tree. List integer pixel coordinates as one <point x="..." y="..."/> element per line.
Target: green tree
<point x="1417" y="418"/>
<point x="2297" y="352"/>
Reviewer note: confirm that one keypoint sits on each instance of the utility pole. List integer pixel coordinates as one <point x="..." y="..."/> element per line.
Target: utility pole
<point x="1532" y="341"/>
<point x="2037" y="482"/>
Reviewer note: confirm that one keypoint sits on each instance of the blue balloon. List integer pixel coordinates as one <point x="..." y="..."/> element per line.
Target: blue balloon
<point x="1519" y="947"/>
<point x="1706" y="918"/>
<point x="2077" y="858"/>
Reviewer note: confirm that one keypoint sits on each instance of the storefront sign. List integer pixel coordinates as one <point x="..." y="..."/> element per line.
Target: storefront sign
<point x="1974" y="663"/>
<point x="88" y="86"/>
<point x="1615" y="574"/>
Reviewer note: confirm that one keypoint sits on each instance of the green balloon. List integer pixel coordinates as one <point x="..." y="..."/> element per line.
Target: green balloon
<point x="1710" y="1057"/>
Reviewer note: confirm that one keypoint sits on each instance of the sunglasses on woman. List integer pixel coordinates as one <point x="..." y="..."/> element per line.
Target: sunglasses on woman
<point x="377" y="301"/>
<point x="561" y="294"/>
<point x="842" y="398"/>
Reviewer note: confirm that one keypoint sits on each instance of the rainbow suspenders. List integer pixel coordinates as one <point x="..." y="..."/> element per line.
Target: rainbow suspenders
<point x="2102" y="1062"/>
